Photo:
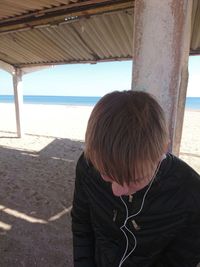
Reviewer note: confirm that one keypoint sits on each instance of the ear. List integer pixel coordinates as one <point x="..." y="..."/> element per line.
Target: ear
<point x="165" y="150"/>
<point x="166" y="147"/>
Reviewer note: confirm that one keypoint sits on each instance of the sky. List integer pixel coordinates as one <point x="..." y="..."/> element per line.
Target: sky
<point x="88" y="79"/>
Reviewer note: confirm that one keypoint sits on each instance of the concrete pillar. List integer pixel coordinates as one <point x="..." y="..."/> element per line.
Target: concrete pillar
<point x="18" y="96"/>
<point x="160" y="57"/>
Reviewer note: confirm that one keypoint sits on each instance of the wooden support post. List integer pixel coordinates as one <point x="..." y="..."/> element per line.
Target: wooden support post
<point x="18" y="95"/>
<point x="160" y="57"/>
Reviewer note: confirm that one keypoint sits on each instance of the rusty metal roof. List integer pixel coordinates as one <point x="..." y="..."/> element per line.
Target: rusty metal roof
<point x="44" y="32"/>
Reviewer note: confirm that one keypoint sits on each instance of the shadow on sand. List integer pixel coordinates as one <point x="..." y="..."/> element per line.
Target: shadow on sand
<point x="35" y="201"/>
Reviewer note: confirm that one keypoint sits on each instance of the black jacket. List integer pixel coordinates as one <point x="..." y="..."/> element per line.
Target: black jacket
<point x="167" y="230"/>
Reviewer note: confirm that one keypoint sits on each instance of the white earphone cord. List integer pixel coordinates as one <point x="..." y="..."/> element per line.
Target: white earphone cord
<point x="124" y="257"/>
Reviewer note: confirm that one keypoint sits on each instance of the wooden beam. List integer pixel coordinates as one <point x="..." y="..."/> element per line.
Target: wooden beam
<point x="195" y="52"/>
<point x="73" y="62"/>
<point x="47" y="11"/>
<point x="27" y="70"/>
<point x="67" y="13"/>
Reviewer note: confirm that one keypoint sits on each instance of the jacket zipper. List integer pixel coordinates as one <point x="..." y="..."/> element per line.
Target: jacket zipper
<point x="114" y="215"/>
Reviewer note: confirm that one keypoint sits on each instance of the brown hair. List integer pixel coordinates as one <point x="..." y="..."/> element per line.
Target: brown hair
<point x="126" y="135"/>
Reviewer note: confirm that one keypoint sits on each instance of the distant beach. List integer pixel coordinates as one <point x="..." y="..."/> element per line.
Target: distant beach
<point x="70" y="121"/>
<point x="192" y="103"/>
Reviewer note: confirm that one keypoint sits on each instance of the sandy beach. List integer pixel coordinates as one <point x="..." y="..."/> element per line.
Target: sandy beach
<point x="37" y="179"/>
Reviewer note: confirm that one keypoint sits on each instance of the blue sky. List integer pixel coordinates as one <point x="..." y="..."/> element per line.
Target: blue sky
<point x="87" y="79"/>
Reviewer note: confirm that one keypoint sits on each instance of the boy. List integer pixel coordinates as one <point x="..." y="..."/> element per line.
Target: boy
<point x="134" y="205"/>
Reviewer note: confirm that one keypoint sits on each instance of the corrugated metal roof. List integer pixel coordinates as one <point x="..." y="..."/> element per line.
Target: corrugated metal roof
<point x="108" y="36"/>
<point x="102" y="36"/>
<point x="195" y="38"/>
<point x="13" y="8"/>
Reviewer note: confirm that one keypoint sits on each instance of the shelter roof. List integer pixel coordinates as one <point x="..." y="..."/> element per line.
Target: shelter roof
<point x="45" y="32"/>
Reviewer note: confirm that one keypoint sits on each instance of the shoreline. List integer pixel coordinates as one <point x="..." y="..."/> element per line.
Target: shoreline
<point x="74" y="105"/>
<point x="70" y="121"/>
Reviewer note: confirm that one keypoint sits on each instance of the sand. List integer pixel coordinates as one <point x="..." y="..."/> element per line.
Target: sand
<point x="37" y="180"/>
<point x="190" y="143"/>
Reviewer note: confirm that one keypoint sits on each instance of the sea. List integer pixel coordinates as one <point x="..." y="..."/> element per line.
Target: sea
<point x="54" y="100"/>
<point x="192" y="103"/>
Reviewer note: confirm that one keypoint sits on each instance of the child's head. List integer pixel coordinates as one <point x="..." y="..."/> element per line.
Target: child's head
<point x="126" y="136"/>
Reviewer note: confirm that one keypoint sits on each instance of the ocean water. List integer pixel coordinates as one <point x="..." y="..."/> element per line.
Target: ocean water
<point x="192" y="103"/>
<point x="54" y="100"/>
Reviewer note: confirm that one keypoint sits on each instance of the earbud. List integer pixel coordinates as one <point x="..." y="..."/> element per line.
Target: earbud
<point x="163" y="157"/>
